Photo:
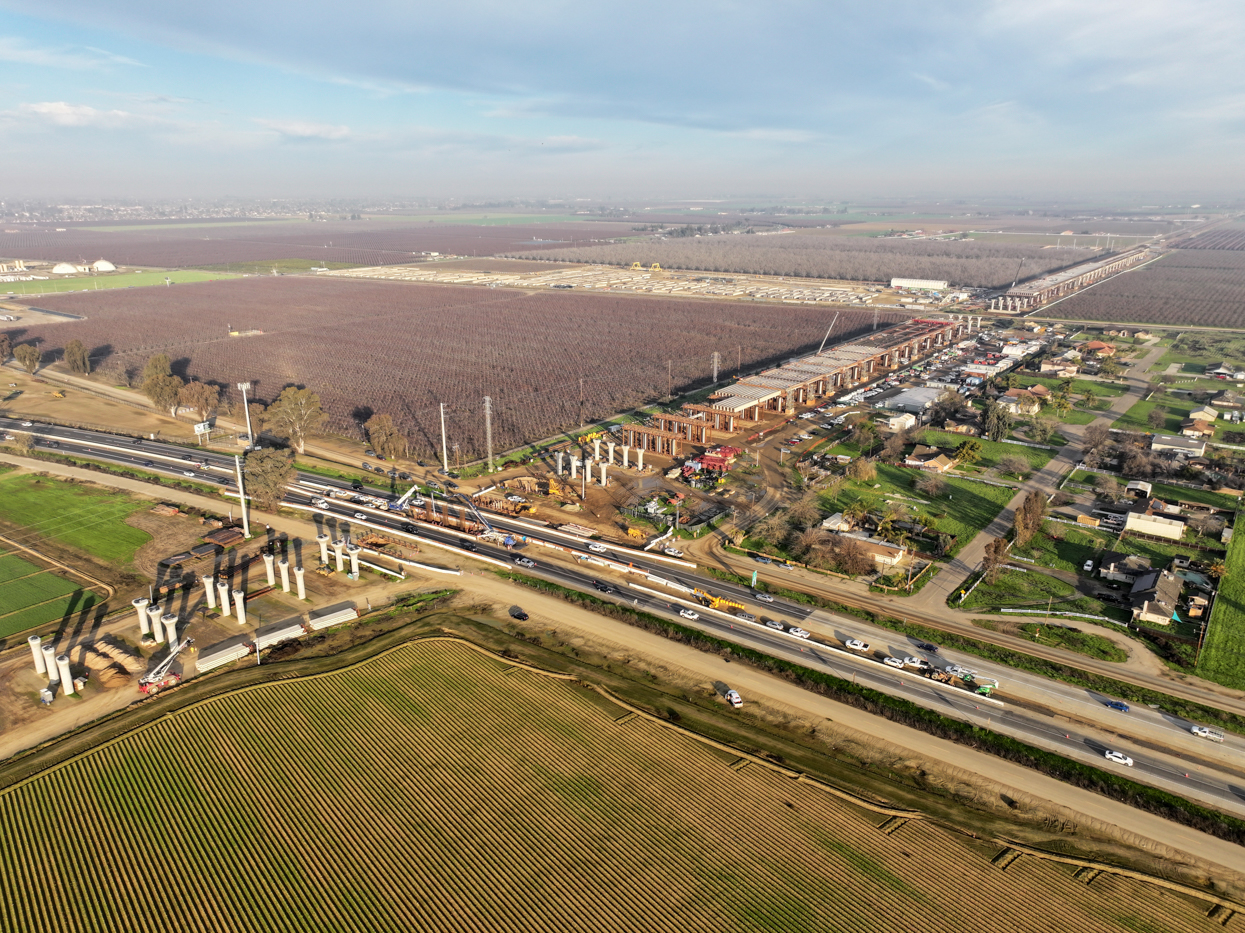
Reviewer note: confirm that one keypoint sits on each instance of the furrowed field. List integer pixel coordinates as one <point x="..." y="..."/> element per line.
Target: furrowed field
<point x="365" y="243"/>
<point x="1200" y="287"/>
<point x="401" y="348"/>
<point x="438" y="789"/>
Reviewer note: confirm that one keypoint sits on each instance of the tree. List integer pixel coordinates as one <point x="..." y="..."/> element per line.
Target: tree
<point x="969" y="452"/>
<point x="1014" y="464"/>
<point x="200" y="398"/>
<point x="998" y="422"/>
<point x="1218" y="570"/>
<point x="862" y="470"/>
<point x="1106" y="486"/>
<point x="1110" y="367"/>
<point x="1157" y="417"/>
<point x="851" y="557"/>
<point x="1208" y="525"/>
<point x="259" y="417"/>
<point x="22" y="442"/>
<point x="892" y="450"/>
<point x="268" y="473"/>
<point x="6" y="347"/>
<point x="863" y="434"/>
<point x="76" y="357"/>
<point x="163" y="392"/>
<point x="29" y="356"/>
<point x="157" y="365"/>
<point x="805" y="511"/>
<point x="834" y="485"/>
<point x="385" y="437"/>
<point x="294" y="415"/>
<point x="1029" y="517"/>
<point x="1096" y="435"/>
<point x="773" y="529"/>
<point x="811" y="540"/>
<point x="931" y="484"/>
<point x="948" y="405"/>
<point x="1042" y="429"/>
<point x="994" y="559"/>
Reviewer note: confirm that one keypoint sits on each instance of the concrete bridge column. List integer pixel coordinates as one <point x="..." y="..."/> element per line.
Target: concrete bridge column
<point x="284" y="566"/>
<point x="298" y="580"/>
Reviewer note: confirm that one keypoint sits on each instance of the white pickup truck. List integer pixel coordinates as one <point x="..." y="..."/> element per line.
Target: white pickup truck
<point x="1203" y="732"/>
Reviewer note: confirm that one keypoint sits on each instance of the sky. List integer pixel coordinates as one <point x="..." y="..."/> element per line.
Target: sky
<point x="606" y="100"/>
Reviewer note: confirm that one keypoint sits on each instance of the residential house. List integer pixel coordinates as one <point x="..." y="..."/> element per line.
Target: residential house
<point x="1097" y="348"/>
<point x="971" y="427"/>
<point x="900" y="422"/>
<point x="1063" y="369"/>
<point x="838" y="522"/>
<point x="1123" y="568"/>
<point x="1143" y="335"/>
<point x="930" y="459"/>
<point x="1020" y="402"/>
<point x="1228" y="398"/>
<point x="1154" y="597"/>
<point x="1189" y="446"/>
<point x="1194" y="427"/>
<point x="884" y="553"/>
<point x="1205" y="413"/>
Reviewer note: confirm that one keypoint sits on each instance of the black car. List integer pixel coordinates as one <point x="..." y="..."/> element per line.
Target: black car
<point x="602" y="587"/>
<point x="467" y="545"/>
<point x="408" y="528"/>
<point x="926" y="646"/>
<point x="356" y="484"/>
<point x="137" y="441"/>
<point x="517" y="613"/>
<point x="405" y="476"/>
<point x="450" y="484"/>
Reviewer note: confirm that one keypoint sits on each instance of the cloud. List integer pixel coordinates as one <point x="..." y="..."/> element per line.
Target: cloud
<point x="60" y="113"/>
<point x="20" y="53"/>
<point x="301" y="130"/>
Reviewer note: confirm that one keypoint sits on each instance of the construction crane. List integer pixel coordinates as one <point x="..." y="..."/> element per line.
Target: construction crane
<point x="477" y="513"/>
<point x="160" y="677"/>
<point x="405" y="499"/>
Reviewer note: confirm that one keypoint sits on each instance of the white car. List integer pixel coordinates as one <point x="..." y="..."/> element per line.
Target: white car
<point x="1089" y="567"/>
<point x="807" y="415"/>
<point x="957" y="670"/>
<point x="764" y="597"/>
<point x="515" y="499"/>
<point x="855" y="644"/>
<point x="804" y="436"/>
<point x="919" y="663"/>
<point x="1204" y="733"/>
<point x="691" y="614"/>
<point x="418" y="501"/>
<point x="734" y="699"/>
<point x="188" y="472"/>
<point x="360" y="516"/>
<point x="775" y="624"/>
<point x="1119" y="758"/>
<point x="597" y="548"/>
<point x="893" y="662"/>
<point x="28" y="424"/>
<point x="320" y="503"/>
<point x="797" y="632"/>
<point x="672" y="551"/>
<point x="525" y="562"/>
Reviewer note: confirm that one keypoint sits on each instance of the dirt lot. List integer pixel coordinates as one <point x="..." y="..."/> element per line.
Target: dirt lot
<point x="28" y="317"/>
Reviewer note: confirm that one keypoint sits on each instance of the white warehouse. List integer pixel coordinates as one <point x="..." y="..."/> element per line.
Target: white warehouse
<point x="932" y="285"/>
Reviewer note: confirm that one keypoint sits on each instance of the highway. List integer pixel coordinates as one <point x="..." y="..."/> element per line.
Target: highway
<point x="1045" y="713"/>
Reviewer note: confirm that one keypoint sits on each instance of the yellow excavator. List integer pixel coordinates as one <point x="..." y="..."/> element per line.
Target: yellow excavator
<point x="716" y="602"/>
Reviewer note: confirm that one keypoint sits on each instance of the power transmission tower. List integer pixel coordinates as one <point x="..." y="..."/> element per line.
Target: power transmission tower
<point x="717" y="359"/>
<point x="488" y="430"/>
<point x="739" y="359"/>
<point x="445" y="455"/>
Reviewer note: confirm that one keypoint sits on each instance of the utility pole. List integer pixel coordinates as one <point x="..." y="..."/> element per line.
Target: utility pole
<point x="875" y="318"/>
<point x="581" y="401"/>
<point x="458" y="460"/>
<point x="488" y="430"/>
<point x="445" y="455"/>
<point x="243" y="386"/>
<point x="739" y="360"/>
<point x="669" y="377"/>
<point x="717" y="360"/>
<point x="246" y="522"/>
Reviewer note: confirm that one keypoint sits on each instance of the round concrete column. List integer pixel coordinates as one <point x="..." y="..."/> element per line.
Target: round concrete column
<point x="66" y="676"/>
<point x="626" y="457"/>
<point x="353" y="551"/>
<point x="140" y="606"/>
<point x="604" y="479"/>
<point x="222" y="590"/>
<point x="49" y="662"/>
<point x="323" y="541"/>
<point x="170" y="628"/>
<point x="596" y="448"/>
<point x="639" y="458"/>
<point x="610" y="456"/>
<point x="36" y="648"/>
<point x="298" y="581"/>
<point x="338" y="549"/>
<point x="284" y="566"/>
<point x="209" y="590"/>
<point x="559" y="463"/>
<point x="153" y="615"/>
<point x="239" y="604"/>
<point x="268" y="562"/>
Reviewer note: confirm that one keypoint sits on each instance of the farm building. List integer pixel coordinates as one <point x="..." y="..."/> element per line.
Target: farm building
<point x="1184" y="445"/>
<point x="900" y="422"/>
<point x="914" y="401"/>
<point x="923" y="285"/>
<point x="1143" y="520"/>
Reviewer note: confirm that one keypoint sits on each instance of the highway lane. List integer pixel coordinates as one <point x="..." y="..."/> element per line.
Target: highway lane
<point x="1216" y="781"/>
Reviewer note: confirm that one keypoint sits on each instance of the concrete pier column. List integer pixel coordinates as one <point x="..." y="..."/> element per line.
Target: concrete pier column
<point x="353" y="551"/>
<point x="239" y="604"/>
<point x="209" y="590"/>
<point x="170" y="628"/>
<point x="140" y="606"/>
<point x="596" y="448"/>
<point x="338" y="552"/>
<point x="36" y="648"/>
<point x="49" y="662"/>
<point x="154" y="612"/>
<point x="323" y="541"/>
<point x="298" y="580"/>
<point x="66" y="676"/>
<point x="604" y="478"/>
<point x="222" y="589"/>
<point x="639" y="459"/>
<point x="284" y="566"/>
<point x="268" y="562"/>
<point x="559" y="463"/>
<point x="626" y="456"/>
<point x="610" y="456"/>
<point x="574" y="467"/>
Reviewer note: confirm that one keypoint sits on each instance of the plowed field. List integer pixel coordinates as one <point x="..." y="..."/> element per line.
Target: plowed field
<point x="434" y="789"/>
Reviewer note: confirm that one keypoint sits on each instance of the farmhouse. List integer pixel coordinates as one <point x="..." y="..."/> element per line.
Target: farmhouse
<point x="1228" y="399"/>
<point x="1221" y="369"/>
<point x="930" y="459"/>
<point x="884" y="553"/>
<point x="1020" y="402"/>
<point x="1097" y="348"/>
<point x="1154" y="597"/>
<point x="1205" y="413"/>
<point x="1192" y="447"/>
<point x="1193" y="427"/>
<point x="1064" y="369"/>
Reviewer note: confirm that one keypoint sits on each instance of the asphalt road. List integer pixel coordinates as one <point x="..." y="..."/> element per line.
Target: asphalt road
<point x="1042" y="712"/>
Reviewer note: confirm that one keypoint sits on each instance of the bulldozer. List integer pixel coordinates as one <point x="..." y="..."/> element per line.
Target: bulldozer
<point x="324" y="570"/>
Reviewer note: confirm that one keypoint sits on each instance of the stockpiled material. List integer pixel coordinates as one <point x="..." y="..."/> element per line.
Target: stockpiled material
<point x="438" y="789"/>
<point x="121" y="656"/>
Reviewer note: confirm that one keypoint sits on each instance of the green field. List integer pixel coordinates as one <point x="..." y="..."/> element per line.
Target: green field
<point x="1032" y="589"/>
<point x="991" y="451"/>
<point x="285" y="266"/>
<point x="88" y="518"/>
<point x="119" y="280"/>
<point x="1223" y="652"/>
<point x="962" y="511"/>
<point x="1135" y="419"/>
<point x="484" y="796"/>
<point x="1078" y="388"/>
<point x="1065" y="547"/>
<point x="30" y="596"/>
<point x="1071" y="639"/>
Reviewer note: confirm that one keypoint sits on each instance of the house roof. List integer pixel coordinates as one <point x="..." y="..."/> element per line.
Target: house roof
<point x="1119" y="562"/>
<point x="1159" y="587"/>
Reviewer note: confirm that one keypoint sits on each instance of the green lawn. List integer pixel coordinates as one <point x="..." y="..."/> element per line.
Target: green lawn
<point x="1065" y="547"/>
<point x="1136" y="418"/>
<point x="1079" y="386"/>
<point x="90" y="519"/>
<point x="991" y="451"/>
<point x="120" y="280"/>
<point x="1223" y="652"/>
<point x="962" y="511"/>
<point x="1072" y="639"/>
<point x="1034" y="590"/>
<point x="1169" y="493"/>
<point x="1075" y="416"/>
<point x="25" y="591"/>
<point x="287" y="266"/>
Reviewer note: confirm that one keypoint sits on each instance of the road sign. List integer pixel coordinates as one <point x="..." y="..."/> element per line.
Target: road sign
<point x="754" y="578"/>
<point x="203" y="427"/>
